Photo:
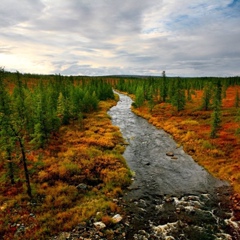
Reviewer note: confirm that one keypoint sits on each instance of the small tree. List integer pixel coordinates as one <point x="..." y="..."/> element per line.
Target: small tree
<point x="151" y="102"/>
<point x="164" y="87"/>
<point x="178" y="99"/>
<point x="17" y="122"/>
<point x="216" y="115"/>
<point x="62" y="109"/>
<point x="206" y="98"/>
<point x="139" y="99"/>
<point x="6" y="138"/>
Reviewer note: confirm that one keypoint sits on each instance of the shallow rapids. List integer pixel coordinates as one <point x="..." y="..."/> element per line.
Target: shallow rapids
<point x="171" y="197"/>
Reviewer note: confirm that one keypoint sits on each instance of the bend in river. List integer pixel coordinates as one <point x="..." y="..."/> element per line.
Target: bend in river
<point x="171" y="195"/>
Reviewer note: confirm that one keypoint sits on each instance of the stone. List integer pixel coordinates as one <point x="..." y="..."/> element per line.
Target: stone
<point x="170" y="154"/>
<point x="178" y="210"/>
<point x="64" y="236"/>
<point x="117" y="218"/>
<point x="99" y="225"/>
<point x="81" y="187"/>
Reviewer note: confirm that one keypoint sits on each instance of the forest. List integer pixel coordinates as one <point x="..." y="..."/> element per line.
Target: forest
<point x="61" y="158"/>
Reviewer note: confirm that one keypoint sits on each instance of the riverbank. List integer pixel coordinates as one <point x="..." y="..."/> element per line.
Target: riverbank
<point x="80" y="176"/>
<point x="171" y="195"/>
<point x="191" y="129"/>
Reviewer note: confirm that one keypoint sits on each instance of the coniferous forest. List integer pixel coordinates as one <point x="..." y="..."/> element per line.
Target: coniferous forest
<point x="61" y="158"/>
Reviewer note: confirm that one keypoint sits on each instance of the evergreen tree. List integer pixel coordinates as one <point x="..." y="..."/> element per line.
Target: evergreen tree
<point x="40" y="133"/>
<point x="189" y="93"/>
<point x="17" y="124"/>
<point x="62" y="111"/>
<point x="164" y="87"/>
<point x="206" y="98"/>
<point x="89" y="102"/>
<point x="178" y="99"/>
<point x="150" y="98"/>
<point x="216" y="115"/>
<point x="139" y="96"/>
<point x="6" y="138"/>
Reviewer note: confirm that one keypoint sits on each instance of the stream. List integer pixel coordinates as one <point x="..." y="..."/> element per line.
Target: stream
<point x="171" y="196"/>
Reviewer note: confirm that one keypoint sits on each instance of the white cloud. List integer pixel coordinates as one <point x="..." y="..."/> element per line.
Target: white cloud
<point x="121" y="37"/>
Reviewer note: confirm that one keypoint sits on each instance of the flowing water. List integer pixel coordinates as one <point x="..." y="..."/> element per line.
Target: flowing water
<point x="171" y="197"/>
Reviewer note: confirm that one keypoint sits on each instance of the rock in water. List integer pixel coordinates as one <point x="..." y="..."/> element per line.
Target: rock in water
<point x="170" y="154"/>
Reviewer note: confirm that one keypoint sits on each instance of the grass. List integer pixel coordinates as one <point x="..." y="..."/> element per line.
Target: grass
<point x="191" y="129"/>
<point x="87" y="153"/>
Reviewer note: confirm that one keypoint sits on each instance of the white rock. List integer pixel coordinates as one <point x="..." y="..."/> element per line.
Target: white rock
<point x="99" y="225"/>
<point x="117" y="218"/>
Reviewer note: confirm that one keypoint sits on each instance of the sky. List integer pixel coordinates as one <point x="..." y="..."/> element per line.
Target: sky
<point x="115" y="37"/>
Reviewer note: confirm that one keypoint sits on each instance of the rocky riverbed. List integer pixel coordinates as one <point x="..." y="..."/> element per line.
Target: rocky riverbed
<point x="171" y="197"/>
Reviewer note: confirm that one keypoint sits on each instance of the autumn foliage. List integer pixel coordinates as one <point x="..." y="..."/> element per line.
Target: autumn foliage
<point x="191" y="129"/>
<point x="76" y="174"/>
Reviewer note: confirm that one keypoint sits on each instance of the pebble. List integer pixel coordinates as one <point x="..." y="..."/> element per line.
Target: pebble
<point x="99" y="225"/>
<point x="117" y="218"/>
<point x="170" y="154"/>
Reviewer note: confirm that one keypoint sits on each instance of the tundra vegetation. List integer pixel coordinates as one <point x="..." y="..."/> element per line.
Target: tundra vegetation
<point x="61" y="159"/>
<point x="202" y="115"/>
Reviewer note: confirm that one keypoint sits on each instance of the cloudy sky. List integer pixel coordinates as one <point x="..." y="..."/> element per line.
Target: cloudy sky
<point x="103" y="37"/>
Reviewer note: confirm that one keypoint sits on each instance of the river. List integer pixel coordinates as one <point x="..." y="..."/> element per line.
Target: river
<point x="171" y="196"/>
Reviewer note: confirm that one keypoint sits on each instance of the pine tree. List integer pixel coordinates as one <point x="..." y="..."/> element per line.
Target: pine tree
<point x="206" y="98"/>
<point x="164" y="87"/>
<point x="151" y="102"/>
<point x="216" y="115"/>
<point x="62" y="109"/>
<point x="139" y="96"/>
<point x="178" y="99"/>
<point x="6" y="137"/>
<point x="17" y="123"/>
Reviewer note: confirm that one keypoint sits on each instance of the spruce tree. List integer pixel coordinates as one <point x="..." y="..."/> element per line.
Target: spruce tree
<point x="18" y="122"/>
<point x="139" y="96"/>
<point x="216" y="115"/>
<point x="178" y="99"/>
<point x="206" y="98"/>
<point x="6" y="137"/>
<point x="164" y="87"/>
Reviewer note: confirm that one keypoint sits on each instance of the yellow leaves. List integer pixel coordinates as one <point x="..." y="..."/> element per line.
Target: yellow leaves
<point x="106" y="142"/>
<point x="190" y="136"/>
<point x="207" y="145"/>
<point x="191" y="129"/>
<point x="43" y="176"/>
<point x="189" y="122"/>
<point x="121" y="177"/>
<point x="91" y="155"/>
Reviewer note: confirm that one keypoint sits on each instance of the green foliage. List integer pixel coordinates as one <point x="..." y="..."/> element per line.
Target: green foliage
<point x="207" y="95"/>
<point x="31" y="112"/>
<point x="89" y="102"/>
<point x="216" y="115"/>
<point x="164" y="87"/>
<point x="139" y="100"/>
<point x="178" y="98"/>
<point x="7" y="138"/>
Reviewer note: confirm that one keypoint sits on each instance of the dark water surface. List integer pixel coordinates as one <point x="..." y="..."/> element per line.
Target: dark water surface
<point x="171" y="197"/>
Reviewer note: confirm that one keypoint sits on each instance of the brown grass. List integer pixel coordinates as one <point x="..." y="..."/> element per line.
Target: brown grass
<point x="88" y="153"/>
<point x="191" y="129"/>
